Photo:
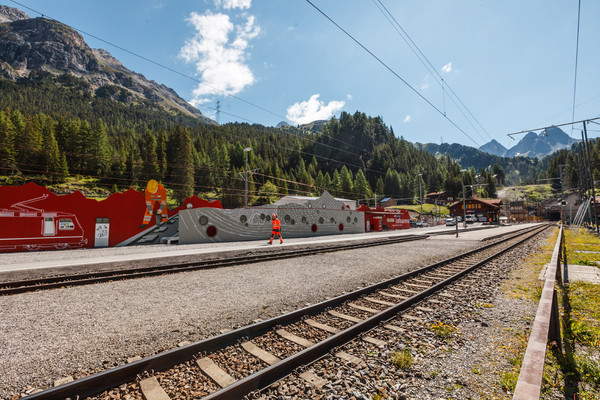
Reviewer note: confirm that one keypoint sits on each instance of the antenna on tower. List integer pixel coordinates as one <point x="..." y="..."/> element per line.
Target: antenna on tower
<point x="218" y="111"/>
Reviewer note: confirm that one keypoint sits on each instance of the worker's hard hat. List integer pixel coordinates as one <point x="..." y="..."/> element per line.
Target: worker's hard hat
<point x="152" y="186"/>
<point x="274" y="216"/>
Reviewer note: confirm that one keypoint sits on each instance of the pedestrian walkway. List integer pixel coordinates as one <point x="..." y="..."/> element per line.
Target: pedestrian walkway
<point x="577" y="273"/>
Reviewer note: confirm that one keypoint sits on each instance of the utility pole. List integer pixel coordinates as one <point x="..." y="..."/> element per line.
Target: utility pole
<point x="462" y="177"/>
<point x="586" y="144"/>
<point x="420" y="197"/>
<point x="562" y="195"/>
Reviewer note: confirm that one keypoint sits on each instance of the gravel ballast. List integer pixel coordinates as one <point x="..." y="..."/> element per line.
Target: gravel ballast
<point x="80" y="330"/>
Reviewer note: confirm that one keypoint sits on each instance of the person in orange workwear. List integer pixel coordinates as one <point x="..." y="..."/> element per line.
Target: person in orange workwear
<point x="155" y="192"/>
<point x="276" y="229"/>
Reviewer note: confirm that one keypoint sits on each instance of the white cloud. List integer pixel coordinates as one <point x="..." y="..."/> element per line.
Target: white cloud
<point x="406" y="119"/>
<point x="447" y="68"/>
<point x="349" y="97"/>
<point x="312" y="110"/>
<point x="229" y="4"/>
<point x="219" y="58"/>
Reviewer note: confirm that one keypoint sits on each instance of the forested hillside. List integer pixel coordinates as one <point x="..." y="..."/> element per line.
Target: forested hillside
<point x="49" y="133"/>
<point x="518" y="170"/>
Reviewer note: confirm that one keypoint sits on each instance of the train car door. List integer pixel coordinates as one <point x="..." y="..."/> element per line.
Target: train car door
<point x="49" y="228"/>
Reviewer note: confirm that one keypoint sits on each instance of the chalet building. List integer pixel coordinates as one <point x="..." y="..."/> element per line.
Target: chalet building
<point x="485" y="210"/>
<point x="440" y="198"/>
<point x="388" y="202"/>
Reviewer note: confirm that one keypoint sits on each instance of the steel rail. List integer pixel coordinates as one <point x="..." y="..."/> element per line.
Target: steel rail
<point x="15" y="287"/>
<point x="115" y="377"/>
<point x="272" y="374"/>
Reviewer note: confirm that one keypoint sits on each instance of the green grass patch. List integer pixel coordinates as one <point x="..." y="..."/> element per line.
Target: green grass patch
<point x="402" y="359"/>
<point x="442" y="330"/>
<point x="427" y="209"/>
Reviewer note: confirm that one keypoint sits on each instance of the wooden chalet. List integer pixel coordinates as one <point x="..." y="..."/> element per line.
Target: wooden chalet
<point x="485" y="210"/>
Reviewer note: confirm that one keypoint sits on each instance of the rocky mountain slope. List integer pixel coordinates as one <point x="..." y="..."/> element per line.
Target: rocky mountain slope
<point x="29" y="46"/>
<point x="533" y="145"/>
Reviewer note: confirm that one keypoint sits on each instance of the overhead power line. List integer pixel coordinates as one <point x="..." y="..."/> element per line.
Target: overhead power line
<point x="392" y="71"/>
<point x="551" y="126"/>
<point x="576" y="59"/>
<point x="428" y="65"/>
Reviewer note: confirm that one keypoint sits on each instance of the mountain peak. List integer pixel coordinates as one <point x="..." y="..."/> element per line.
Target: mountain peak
<point x="493" y="147"/>
<point x="29" y="46"/>
<point x="9" y="14"/>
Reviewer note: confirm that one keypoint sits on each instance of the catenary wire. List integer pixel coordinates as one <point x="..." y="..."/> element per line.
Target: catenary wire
<point x="425" y="61"/>
<point x="392" y="71"/>
<point x="576" y="60"/>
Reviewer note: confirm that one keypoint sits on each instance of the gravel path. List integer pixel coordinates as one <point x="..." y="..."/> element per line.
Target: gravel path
<point x="81" y="330"/>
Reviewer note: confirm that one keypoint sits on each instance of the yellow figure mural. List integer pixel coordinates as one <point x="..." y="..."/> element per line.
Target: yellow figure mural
<point x="155" y="193"/>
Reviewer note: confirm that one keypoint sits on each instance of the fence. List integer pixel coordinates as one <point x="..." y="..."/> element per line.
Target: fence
<point x="545" y="327"/>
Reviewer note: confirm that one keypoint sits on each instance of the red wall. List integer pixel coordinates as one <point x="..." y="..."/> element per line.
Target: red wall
<point x="399" y="219"/>
<point x="21" y="227"/>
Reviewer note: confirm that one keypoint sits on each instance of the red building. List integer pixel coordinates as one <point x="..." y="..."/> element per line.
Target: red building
<point x="380" y="219"/>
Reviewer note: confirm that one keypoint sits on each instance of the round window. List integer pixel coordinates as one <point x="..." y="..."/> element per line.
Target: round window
<point x="211" y="231"/>
<point x="321" y="220"/>
<point x="304" y="220"/>
<point x="287" y="219"/>
<point x="268" y="217"/>
<point x="203" y="220"/>
<point x="348" y="219"/>
<point x="292" y="221"/>
<point x="332" y="220"/>
<point x="243" y="219"/>
<point x="262" y="216"/>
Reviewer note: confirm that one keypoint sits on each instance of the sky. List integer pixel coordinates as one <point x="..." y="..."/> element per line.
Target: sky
<point x="510" y="62"/>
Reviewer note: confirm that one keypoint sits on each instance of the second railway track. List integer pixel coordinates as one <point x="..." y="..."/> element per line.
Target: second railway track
<point x="237" y="363"/>
<point x="52" y="282"/>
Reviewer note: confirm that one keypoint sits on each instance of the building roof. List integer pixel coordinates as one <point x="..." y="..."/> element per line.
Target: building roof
<point x="490" y="202"/>
<point x="436" y="194"/>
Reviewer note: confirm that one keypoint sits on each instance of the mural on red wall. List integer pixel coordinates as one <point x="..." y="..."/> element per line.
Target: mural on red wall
<point x="33" y="218"/>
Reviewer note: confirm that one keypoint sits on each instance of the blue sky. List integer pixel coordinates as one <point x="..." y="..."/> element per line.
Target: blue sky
<point x="511" y="62"/>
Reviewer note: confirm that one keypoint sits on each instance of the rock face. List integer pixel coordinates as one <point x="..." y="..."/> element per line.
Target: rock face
<point x="533" y="145"/>
<point x="8" y="14"/>
<point x="30" y="45"/>
<point x="494" y="147"/>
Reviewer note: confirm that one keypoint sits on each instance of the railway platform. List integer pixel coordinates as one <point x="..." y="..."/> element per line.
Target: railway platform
<point x="28" y="265"/>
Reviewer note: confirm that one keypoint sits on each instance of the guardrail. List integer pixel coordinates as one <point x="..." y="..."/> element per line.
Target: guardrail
<point x="546" y="327"/>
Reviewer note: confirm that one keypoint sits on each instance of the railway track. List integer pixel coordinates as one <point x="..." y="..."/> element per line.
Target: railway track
<point x="249" y="359"/>
<point x="30" y="285"/>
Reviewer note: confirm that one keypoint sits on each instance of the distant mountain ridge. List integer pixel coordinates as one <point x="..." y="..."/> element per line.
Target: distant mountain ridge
<point x="533" y="145"/>
<point x="33" y="46"/>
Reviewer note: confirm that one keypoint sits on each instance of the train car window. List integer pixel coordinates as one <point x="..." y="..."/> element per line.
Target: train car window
<point x="66" y="224"/>
<point x="49" y="229"/>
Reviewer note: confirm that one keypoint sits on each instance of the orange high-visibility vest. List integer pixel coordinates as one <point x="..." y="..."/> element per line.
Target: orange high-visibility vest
<point x="276" y="225"/>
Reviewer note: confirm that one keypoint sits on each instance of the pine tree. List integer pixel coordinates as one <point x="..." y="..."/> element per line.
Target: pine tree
<point x="151" y="167"/>
<point x="181" y="163"/>
<point x="361" y="186"/>
<point x="7" y="144"/>
<point x="52" y="162"/>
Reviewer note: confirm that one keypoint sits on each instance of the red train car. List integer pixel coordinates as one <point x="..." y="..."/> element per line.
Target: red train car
<point x="23" y="227"/>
